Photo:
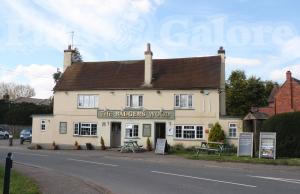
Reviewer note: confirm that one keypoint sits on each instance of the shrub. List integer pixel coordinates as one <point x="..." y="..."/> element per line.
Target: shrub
<point x="178" y="147"/>
<point x="102" y="144"/>
<point x="77" y="146"/>
<point x="216" y="133"/>
<point x="287" y="128"/>
<point x="54" y="146"/>
<point x="149" y="147"/>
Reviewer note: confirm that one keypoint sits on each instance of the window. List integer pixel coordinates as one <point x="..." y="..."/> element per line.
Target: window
<point x="85" y="129"/>
<point x="178" y="132"/>
<point x="232" y="129"/>
<point x="146" y="130"/>
<point x="188" y="132"/>
<point x="43" y="125"/>
<point x="132" y="131"/>
<point x="88" y="101"/>
<point x="183" y="101"/>
<point x="62" y="127"/>
<point x="134" y="101"/>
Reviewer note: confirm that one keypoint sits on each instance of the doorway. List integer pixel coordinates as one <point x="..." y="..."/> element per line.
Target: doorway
<point x="115" y="137"/>
<point x="160" y="131"/>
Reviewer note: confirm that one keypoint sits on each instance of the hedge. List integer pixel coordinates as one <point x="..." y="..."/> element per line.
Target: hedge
<point x="287" y="128"/>
<point x="20" y="114"/>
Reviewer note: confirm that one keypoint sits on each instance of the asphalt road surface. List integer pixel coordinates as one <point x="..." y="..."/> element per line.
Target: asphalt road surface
<point x="146" y="173"/>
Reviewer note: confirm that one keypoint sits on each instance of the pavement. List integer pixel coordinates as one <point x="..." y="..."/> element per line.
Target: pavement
<point x="81" y="171"/>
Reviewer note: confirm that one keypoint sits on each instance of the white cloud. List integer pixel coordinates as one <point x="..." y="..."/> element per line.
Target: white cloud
<point x="96" y="23"/>
<point x="280" y="74"/>
<point x="291" y="48"/>
<point x="37" y="76"/>
<point x="242" y="62"/>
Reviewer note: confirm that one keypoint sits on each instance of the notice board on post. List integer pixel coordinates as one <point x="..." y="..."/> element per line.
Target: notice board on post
<point x="160" y="147"/>
<point x="245" y="145"/>
<point x="267" y="145"/>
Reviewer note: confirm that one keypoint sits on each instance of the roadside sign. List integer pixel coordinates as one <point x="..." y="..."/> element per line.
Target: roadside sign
<point x="160" y="146"/>
<point x="267" y="145"/>
<point x="245" y="145"/>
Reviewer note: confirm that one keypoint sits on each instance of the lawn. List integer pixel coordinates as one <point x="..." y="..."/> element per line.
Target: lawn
<point x="230" y="157"/>
<point x="19" y="184"/>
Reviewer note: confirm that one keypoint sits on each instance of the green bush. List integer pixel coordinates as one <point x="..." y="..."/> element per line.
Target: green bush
<point x="216" y="133"/>
<point x="177" y="147"/>
<point x="287" y="128"/>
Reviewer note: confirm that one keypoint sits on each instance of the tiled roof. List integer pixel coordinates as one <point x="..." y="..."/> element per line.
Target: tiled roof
<point x="178" y="73"/>
<point x="273" y="93"/>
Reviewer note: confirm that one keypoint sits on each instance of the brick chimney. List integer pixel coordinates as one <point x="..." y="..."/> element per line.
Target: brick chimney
<point x="288" y="76"/>
<point x="290" y="87"/>
<point x="68" y="53"/>
<point x="222" y="96"/>
<point x="148" y="67"/>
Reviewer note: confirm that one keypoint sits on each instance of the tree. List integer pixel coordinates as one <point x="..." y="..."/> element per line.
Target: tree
<point x="16" y="90"/>
<point x="242" y="93"/>
<point x="76" y="57"/>
<point x="235" y="93"/>
<point x="56" y="75"/>
<point x="216" y="133"/>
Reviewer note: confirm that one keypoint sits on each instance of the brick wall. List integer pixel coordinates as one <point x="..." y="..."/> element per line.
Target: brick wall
<point x="268" y="110"/>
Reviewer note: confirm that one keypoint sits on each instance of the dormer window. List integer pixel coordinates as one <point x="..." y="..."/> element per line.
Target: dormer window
<point x="134" y="101"/>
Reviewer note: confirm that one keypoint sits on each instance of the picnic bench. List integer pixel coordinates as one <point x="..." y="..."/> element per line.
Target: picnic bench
<point x="210" y="147"/>
<point x="131" y="146"/>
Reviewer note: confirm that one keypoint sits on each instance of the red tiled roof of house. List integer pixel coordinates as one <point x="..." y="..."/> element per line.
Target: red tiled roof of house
<point x="178" y="73"/>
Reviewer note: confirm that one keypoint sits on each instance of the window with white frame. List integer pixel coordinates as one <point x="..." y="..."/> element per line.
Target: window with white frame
<point x="88" y="101"/>
<point x="132" y="131"/>
<point x="43" y="125"/>
<point x="188" y="132"/>
<point x="134" y="101"/>
<point x="183" y="101"/>
<point x="62" y="127"/>
<point x="232" y="129"/>
<point x="85" y="129"/>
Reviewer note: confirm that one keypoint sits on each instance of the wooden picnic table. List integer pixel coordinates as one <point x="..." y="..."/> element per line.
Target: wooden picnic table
<point x="206" y="146"/>
<point x="130" y="145"/>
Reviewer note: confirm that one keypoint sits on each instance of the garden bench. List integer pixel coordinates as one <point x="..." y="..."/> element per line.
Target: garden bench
<point x="210" y="147"/>
<point x="131" y="146"/>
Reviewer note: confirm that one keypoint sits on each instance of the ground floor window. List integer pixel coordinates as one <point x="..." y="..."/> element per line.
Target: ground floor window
<point x="131" y="130"/>
<point x="85" y="129"/>
<point x="188" y="132"/>
<point x="43" y="125"/>
<point x="62" y="127"/>
<point x="232" y="129"/>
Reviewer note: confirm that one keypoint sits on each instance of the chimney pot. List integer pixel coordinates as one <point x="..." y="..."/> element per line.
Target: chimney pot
<point x="148" y="51"/>
<point x="221" y="50"/>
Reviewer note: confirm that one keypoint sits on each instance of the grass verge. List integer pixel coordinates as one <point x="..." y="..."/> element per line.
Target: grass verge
<point x="19" y="184"/>
<point x="233" y="158"/>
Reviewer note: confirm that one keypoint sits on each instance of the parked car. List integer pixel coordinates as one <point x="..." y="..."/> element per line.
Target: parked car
<point x="3" y="133"/>
<point x="26" y="135"/>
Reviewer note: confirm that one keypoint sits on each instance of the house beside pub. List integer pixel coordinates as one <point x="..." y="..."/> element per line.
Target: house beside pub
<point x="179" y="99"/>
<point x="285" y="98"/>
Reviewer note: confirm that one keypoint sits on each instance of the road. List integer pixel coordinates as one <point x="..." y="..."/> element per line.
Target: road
<point x="146" y="173"/>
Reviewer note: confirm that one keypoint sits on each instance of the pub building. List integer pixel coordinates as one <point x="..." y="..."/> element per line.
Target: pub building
<point x="178" y="99"/>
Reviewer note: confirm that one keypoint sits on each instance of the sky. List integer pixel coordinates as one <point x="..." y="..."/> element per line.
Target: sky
<point x="261" y="37"/>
